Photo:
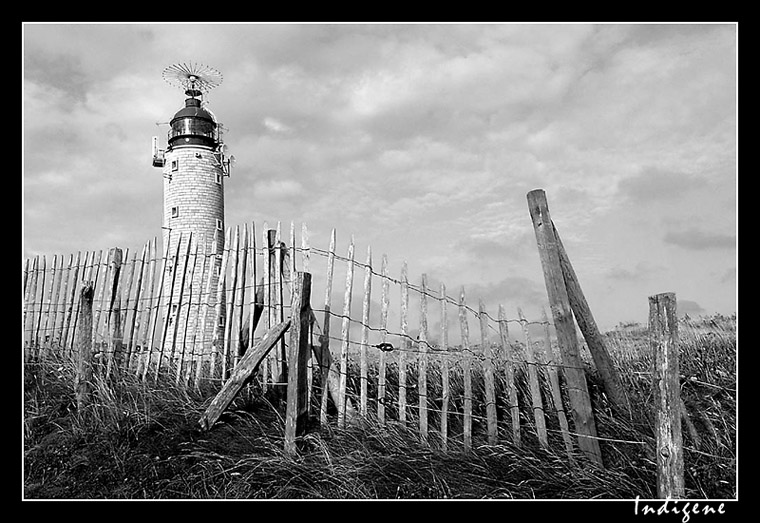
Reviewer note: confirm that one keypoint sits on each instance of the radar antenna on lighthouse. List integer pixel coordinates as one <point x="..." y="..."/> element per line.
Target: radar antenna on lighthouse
<point x="194" y="79"/>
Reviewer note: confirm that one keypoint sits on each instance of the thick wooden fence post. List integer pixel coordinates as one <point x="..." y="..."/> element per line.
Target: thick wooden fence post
<point x="562" y="315"/>
<point x="83" y="382"/>
<point x="663" y="339"/>
<point x="297" y="407"/>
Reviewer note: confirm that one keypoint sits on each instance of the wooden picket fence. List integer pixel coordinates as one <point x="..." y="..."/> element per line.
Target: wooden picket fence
<point x="407" y="363"/>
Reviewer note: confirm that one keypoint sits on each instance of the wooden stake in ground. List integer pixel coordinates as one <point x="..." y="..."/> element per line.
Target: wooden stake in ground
<point x="663" y="339"/>
<point x="562" y="314"/>
<point x="83" y="382"/>
<point x="297" y="407"/>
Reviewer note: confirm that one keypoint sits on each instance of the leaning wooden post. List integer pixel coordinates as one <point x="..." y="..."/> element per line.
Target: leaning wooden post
<point x="240" y="375"/>
<point x="663" y="339"/>
<point x="296" y="411"/>
<point x="602" y="360"/>
<point x="562" y="314"/>
<point x="83" y="381"/>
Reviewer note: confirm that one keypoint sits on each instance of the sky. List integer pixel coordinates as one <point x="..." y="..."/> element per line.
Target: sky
<point x="420" y="141"/>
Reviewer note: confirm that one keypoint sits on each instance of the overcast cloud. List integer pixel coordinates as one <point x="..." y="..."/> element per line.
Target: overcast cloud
<point x="420" y="140"/>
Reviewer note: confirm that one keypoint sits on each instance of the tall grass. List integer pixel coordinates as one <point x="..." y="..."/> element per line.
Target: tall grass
<point x="142" y="439"/>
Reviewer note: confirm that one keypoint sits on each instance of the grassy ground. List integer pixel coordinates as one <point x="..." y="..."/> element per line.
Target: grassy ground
<point x="142" y="441"/>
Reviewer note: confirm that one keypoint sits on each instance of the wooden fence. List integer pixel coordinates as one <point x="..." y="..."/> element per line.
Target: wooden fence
<point x="394" y="361"/>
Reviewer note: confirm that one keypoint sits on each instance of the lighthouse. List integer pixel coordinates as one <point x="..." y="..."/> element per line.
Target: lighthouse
<point x="194" y="168"/>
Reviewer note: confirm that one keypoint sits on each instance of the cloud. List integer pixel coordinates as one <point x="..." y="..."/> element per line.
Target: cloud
<point x="653" y="184"/>
<point x="641" y="271"/>
<point x="699" y="240"/>
<point x="277" y="188"/>
<point x="729" y="276"/>
<point x="275" y="125"/>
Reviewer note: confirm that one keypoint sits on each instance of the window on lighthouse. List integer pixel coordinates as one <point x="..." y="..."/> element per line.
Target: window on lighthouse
<point x="175" y="212"/>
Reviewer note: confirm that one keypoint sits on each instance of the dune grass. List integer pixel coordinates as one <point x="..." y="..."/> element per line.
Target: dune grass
<point x="141" y="440"/>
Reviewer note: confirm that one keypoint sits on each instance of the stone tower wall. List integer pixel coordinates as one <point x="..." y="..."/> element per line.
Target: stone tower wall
<point x="193" y="203"/>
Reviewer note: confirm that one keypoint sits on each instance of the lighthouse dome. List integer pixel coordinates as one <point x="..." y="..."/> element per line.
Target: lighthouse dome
<point x="193" y="125"/>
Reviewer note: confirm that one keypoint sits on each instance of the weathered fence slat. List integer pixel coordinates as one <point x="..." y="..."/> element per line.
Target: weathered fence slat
<point x="241" y="374"/>
<point x="148" y="315"/>
<point x="325" y="339"/>
<point x="61" y="321"/>
<point x="230" y="308"/>
<point x="240" y="295"/>
<point x="127" y="282"/>
<point x="56" y="307"/>
<point x="210" y="261"/>
<point x="562" y="314"/>
<point x="445" y="385"/>
<point x="174" y="305"/>
<point x="36" y="343"/>
<point x="296" y="410"/>
<point x="509" y="370"/>
<point x="282" y="365"/>
<point x="47" y="338"/>
<point x="466" y="371"/>
<point x="404" y="344"/>
<point x="156" y="307"/>
<point x="29" y="318"/>
<point x="422" y="359"/>
<point x="168" y="308"/>
<point x="556" y="393"/>
<point x="178" y="314"/>
<point x="534" y="383"/>
<point x="365" y="334"/>
<point x="381" y="365"/>
<point x="253" y="269"/>
<point x="134" y="325"/>
<point x="488" y="375"/>
<point x="663" y="340"/>
<point x="68" y="332"/>
<point x="218" y="336"/>
<point x="268" y="313"/>
<point x="345" y="334"/>
<point x="305" y="255"/>
<point x="113" y="317"/>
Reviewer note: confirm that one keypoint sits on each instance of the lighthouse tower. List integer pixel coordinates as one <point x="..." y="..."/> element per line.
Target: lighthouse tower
<point x="194" y="168"/>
